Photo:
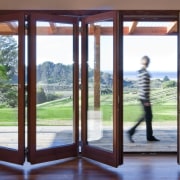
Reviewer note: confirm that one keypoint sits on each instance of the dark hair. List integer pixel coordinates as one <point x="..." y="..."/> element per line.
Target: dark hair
<point x="147" y="60"/>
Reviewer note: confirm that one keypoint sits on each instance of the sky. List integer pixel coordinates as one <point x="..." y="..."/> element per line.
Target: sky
<point x="55" y="48"/>
<point x="162" y="51"/>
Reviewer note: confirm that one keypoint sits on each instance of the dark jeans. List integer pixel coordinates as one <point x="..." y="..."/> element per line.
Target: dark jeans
<point x="147" y="115"/>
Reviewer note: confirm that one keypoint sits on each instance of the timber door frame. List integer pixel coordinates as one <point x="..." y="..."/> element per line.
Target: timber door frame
<point x="178" y="93"/>
<point x="10" y="154"/>
<point x="115" y="157"/>
<point x="58" y="152"/>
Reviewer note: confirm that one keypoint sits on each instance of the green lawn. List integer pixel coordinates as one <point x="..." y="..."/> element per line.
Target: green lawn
<point x="160" y="112"/>
<point x="8" y="116"/>
<point x="61" y="112"/>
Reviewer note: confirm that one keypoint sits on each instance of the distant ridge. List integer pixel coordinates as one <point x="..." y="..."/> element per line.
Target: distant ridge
<point x="154" y="74"/>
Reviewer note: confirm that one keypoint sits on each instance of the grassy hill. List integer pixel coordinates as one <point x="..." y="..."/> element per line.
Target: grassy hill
<point x="164" y="105"/>
<point x="60" y="112"/>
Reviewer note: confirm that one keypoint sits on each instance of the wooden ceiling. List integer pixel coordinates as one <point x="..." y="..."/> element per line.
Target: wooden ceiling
<point x="151" y="28"/>
<point x="130" y="28"/>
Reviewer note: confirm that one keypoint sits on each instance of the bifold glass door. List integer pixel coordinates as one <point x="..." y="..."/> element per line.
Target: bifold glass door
<point x="49" y="90"/>
<point x="178" y="96"/>
<point x="12" y="106"/>
<point x="101" y="87"/>
<point x="47" y="85"/>
<point x="52" y="88"/>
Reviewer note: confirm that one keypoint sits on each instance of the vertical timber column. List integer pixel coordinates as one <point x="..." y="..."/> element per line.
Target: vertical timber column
<point x="178" y="92"/>
<point x="97" y="68"/>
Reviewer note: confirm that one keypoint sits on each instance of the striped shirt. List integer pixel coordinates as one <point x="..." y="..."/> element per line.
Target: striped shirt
<point x="144" y="84"/>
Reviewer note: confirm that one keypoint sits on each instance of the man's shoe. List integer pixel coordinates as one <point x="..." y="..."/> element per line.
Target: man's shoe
<point x="153" y="139"/>
<point x="130" y="133"/>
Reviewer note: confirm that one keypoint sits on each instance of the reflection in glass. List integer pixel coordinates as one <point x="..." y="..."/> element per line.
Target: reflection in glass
<point x="9" y="86"/>
<point x="54" y="86"/>
<point x="100" y="86"/>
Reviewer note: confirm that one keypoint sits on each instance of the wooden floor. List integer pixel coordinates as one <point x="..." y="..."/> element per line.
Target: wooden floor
<point x="135" y="167"/>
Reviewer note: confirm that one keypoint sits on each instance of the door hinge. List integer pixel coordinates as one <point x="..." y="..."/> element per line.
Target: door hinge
<point x="80" y="29"/>
<point x="80" y="143"/>
<point x="26" y="25"/>
<point x="26" y="151"/>
<point x="80" y="146"/>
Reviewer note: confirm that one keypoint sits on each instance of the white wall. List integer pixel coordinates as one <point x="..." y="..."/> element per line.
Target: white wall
<point x="90" y="4"/>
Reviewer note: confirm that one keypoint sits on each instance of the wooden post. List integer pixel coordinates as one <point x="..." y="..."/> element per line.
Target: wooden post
<point x="97" y="68"/>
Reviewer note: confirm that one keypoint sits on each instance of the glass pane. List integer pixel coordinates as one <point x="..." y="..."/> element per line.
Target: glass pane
<point x="54" y="85"/>
<point x="162" y="51"/>
<point x="9" y="84"/>
<point x="100" y="86"/>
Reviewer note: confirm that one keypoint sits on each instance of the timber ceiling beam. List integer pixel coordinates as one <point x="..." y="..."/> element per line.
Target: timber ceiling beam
<point x="172" y="28"/>
<point x="147" y="31"/>
<point x="8" y="29"/>
<point x="53" y="27"/>
<point x="132" y="27"/>
<point x="11" y="28"/>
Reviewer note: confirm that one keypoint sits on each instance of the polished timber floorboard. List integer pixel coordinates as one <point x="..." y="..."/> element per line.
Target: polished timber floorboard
<point x="136" y="167"/>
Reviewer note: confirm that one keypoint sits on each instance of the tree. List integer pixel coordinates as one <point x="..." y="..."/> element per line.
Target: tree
<point x="8" y="70"/>
<point x="41" y="96"/>
<point x="168" y="84"/>
<point x="166" y="78"/>
<point x="50" y="73"/>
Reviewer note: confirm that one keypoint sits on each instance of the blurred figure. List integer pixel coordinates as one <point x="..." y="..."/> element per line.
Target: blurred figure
<point x="144" y="97"/>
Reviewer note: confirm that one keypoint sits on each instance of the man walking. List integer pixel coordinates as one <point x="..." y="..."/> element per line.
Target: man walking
<point x="144" y="97"/>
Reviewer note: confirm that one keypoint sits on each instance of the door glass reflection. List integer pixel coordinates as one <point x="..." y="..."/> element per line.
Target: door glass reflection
<point x="100" y="86"/>
<point x="9" y="85"/>
<point x="54" y="85"/>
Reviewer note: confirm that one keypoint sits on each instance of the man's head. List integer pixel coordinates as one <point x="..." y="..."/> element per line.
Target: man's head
<point x="145" y="60"/>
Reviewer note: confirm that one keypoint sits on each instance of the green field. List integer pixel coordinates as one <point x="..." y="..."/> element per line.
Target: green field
<point x="8" y="116"/>
<point x="161" y="112"/>
<point x="49" y="114"/>
<point x="164" y="105"/>
<point x="60" y="112"/>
